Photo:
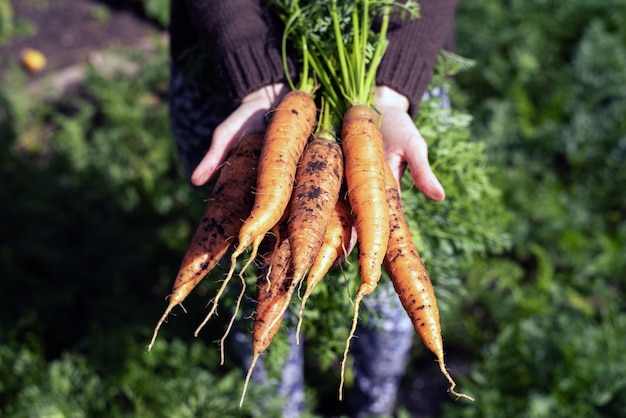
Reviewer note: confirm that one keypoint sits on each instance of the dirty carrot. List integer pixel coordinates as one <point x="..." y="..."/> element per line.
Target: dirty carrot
<point x="230" y="202"/>
<point x="336" y="242"/>
<point x="315" y="193"/>
<point x="285" y="138"/>
<point x="274" y="294"/>
<point x="365" y="177"/>
<point x="411" y="282"/>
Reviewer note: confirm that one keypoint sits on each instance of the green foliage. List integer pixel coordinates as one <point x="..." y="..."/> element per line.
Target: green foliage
<point x="547" y="93"/>
<point x="472" y="222"/>
<point x="11" y="27"/>
<point x="564" y="110"/>
<point x="6" y="20"/>
<point x="158" y="10"/>
<point x="340" y="45"/>
<point x="63" y="387"/>
<point x="562" y="365"/>
<point x="126" y="111"/>
<point x="174" y="380"/>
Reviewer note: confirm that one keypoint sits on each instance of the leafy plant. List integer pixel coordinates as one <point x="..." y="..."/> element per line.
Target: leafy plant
<point x="543" y="321"/>
<point x="6" y="20"/>
<point x="158" y="10"/>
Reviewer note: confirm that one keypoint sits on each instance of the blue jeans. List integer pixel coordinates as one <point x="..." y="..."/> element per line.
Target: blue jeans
<point x="380" y="348"/>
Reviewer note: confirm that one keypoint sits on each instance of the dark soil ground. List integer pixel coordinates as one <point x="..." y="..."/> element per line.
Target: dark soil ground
<point x="68" y="32"/>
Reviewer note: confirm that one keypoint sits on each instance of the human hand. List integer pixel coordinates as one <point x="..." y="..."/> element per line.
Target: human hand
<point x="404" y="145"/>
<point x="248" y="117"/>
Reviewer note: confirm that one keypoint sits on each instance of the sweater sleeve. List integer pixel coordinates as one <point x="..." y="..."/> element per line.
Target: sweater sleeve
<point x="243" y="42"/>
<point x="414" y="46"/>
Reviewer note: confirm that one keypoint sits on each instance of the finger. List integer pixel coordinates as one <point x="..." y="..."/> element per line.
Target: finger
<point x="221" y="145"/>
<point x="404" y="145"/>
<point x="422" y="174"/>
<point x="225" y="137"/>
<point x="351" y="245"/>
<point x="429" y="185"/>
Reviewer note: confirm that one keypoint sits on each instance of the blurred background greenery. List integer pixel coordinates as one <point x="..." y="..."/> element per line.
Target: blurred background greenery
<point x="526" y="253"/>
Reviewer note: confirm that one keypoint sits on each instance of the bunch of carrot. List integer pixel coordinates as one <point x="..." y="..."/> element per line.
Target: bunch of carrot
<point x="310" y="179"/>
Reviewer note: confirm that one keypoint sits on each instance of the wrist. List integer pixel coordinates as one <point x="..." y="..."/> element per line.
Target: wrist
<point x="388" y="97"/>
<point x="270" y="94"/>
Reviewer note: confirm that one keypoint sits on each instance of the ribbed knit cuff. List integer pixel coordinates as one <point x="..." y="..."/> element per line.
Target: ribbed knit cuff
<point x="248" y="67"/>
<point x="414" y="46"/>
<point x="243" y="43"/>
<point x="409" y="79"/>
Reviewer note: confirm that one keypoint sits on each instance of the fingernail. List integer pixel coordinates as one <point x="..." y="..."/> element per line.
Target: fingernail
<point x="198" y="178"/>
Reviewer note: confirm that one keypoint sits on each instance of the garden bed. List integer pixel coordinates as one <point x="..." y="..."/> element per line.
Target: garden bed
<point x="70" y="33"/>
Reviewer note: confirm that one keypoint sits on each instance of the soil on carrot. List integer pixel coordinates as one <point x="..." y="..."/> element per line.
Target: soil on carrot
<point x="67" y="32"/>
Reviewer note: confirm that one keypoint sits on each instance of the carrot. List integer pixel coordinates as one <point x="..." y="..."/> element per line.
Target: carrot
<point x="336" y="242"/>
<point x="411" y="282"/>
<point x="315" y="194"/>
<point x="285" y="138"/>
<point x="274" y="292"/>
<point x="230" y="202"/>
<point x="365" y="177"/>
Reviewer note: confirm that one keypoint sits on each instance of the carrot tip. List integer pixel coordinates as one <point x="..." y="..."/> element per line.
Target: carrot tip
<point x="231" y="271"/>
<point x="458" y="395"/>
<point x="232" y="319"/>
<point x="255" y="358"/>
<point x="158" y="325"/>
<point x="355" y="320"/>
<point x="300" y="319"/>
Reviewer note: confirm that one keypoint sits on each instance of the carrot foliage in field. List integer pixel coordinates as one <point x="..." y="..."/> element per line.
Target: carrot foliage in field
<point x="548" y="104"/>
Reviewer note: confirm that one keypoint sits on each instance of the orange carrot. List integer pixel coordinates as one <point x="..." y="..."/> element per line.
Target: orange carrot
<point x="318" y="181"/>
<point x="365" y="176"/>
<point x="410" y="280"/>
<point x="230" y="202"/>
<point x="285" y="138"/>
<point x="336" y="242"/>
<point x="274" y="293"/>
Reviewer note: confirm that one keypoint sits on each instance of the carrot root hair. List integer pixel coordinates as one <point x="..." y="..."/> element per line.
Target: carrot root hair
<point x="442" y="367"/>
<point x="232" y="319"/>
<point x="364" y="290"/>
<point x="255" y="358"/>
<point x="158" y="325"/>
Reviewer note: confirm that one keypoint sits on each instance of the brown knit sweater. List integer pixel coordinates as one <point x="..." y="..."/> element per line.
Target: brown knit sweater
<point x="242" y="39"/>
